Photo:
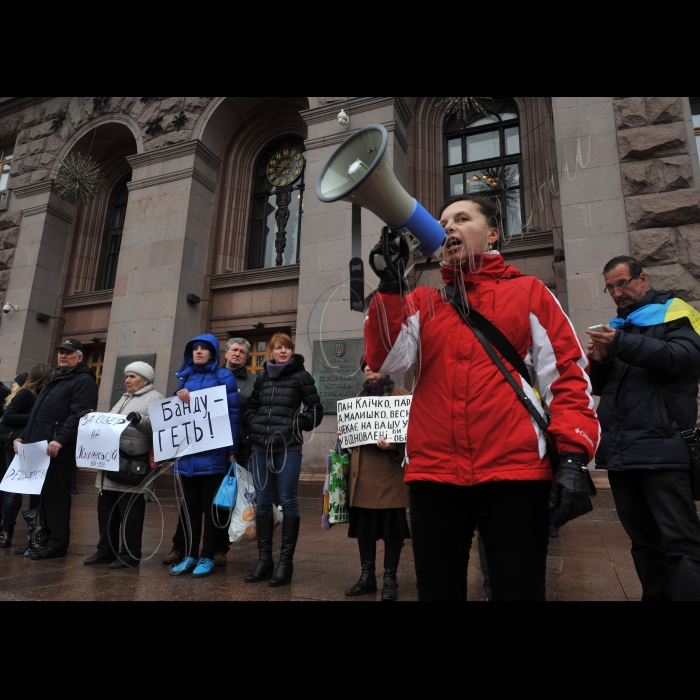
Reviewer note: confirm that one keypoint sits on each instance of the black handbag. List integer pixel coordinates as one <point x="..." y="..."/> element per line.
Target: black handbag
<point x="133" y="469"/>
<point x="690" y="437"/>
<point x="489" y="336"/>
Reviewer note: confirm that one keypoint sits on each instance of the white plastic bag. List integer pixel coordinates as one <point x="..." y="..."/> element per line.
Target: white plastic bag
<point x="277" y="513"/>
<point x="243" y="528"/>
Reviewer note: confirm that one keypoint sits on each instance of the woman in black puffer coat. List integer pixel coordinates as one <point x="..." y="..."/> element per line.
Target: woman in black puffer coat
<point x="275" y="422"/>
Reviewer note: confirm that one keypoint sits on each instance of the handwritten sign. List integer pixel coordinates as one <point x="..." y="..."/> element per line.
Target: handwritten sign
<point x="363" y="421"/>
<point x="181" y="429"/>
<point x="28" y="470"/>
<point x="98" y="441"/>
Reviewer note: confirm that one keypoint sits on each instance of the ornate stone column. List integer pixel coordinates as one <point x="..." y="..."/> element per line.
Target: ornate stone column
<point x="165" y="247"/>
<point x="35" y="279"/>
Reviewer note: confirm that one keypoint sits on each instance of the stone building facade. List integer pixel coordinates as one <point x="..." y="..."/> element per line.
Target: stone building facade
<point x="185" y="236"/>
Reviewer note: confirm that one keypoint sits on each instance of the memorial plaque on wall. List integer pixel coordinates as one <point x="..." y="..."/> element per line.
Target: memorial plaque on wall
<point x="118" y="387"/>
<point x="336" y="365"/>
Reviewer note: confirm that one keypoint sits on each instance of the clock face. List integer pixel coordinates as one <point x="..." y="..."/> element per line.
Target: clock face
<point x="285" y="167"/>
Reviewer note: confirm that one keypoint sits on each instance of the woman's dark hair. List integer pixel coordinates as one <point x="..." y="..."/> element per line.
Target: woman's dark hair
<point x="486" y="207"/>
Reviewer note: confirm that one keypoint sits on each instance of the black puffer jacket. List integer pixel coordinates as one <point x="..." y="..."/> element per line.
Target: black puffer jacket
<point x="55" y="415"/>
<point x="272" y="418"/>
<point x="638" y="430"/>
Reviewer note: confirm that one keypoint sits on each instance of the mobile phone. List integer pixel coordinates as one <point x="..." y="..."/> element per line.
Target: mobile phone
<point x="598" y="329"/>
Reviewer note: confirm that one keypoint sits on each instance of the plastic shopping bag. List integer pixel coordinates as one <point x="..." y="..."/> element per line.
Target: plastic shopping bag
<point x="243" y="528"/>
<point x="338" y="510"/>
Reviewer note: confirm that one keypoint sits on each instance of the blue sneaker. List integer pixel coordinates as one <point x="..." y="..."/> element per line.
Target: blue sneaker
<point x="184" y="567"/>
<point x="205" y="567"/>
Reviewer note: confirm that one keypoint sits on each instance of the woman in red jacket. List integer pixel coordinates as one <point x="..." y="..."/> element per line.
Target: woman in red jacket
<point x="475" y="455"/>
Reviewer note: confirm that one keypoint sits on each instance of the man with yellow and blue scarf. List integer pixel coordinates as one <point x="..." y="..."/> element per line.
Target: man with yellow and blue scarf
<point x="653" y="341"/>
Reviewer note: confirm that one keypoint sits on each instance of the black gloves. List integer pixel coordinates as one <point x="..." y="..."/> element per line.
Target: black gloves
<point x="134" y="418"/>
<point x="388" y="259"/>
<point x="572" y="489"/>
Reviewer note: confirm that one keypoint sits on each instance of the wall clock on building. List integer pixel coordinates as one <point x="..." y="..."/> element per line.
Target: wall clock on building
<point x="285" y="167"/>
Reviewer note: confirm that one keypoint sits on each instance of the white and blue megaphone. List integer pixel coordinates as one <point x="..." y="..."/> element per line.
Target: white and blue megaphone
<point x="357" y="172"/>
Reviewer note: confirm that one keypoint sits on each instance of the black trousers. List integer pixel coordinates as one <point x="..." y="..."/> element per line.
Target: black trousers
<point x="199" y="496"/>
<point x="656" y="509"/>
<point x="56" y="498"/>
<point x="513" y="519"/>
<point x="120" y="513"/>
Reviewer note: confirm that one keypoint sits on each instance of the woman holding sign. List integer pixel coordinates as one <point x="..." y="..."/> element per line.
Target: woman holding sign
<point x="378" y="499"/>
<point x="18" y="406"/>
<point x="116" y="511"/>
<point x="275" y="421"/>
<point x="202" y="473"/>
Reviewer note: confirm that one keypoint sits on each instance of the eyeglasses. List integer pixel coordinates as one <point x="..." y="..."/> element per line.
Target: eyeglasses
<point x="620" y="285"/>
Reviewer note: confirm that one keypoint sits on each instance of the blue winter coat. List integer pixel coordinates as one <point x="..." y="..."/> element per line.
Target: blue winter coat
<point x="209" y="376"/>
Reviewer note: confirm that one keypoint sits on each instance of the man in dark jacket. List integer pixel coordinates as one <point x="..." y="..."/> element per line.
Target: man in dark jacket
<point x="54" y="418"/>
<point x="653" y="341"/>
<point x="237" y="353"/>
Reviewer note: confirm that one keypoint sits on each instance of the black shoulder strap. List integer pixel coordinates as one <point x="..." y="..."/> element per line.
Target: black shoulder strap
<point x="457" y="302"/>
<point x="492" y="334"/>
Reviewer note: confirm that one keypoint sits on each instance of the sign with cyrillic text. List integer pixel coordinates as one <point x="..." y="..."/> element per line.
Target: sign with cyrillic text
<point x="98" y="441"/>
<point x="28" y="470"/>
<point x="364" y="420"/>
<point x="181" y="429"/>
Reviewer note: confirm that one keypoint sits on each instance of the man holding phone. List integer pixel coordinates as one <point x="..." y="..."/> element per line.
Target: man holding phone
<point x="654" y="341"/>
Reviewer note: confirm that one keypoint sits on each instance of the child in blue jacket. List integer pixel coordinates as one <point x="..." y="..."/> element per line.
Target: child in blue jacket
<point x="203" y="473"/>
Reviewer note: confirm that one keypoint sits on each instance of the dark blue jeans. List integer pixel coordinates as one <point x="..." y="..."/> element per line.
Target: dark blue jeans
<point x="287" y="467"/>
<point x="12" y="503"/>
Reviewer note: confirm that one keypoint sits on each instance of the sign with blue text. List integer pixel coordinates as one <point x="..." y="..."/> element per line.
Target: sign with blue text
<point x="181" y="429"/>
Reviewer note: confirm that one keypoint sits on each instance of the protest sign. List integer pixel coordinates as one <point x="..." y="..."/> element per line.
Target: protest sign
<point x="28" y="470"/>
<point x="181" y="429"/>
<point x="98" y="441"/>
<point x="364" y="420"/>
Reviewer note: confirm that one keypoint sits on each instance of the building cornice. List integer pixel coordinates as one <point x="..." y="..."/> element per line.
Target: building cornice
<point x="16" y="104"/>
<point x="251" y="278"/>
<point x="356" y="105"/>
<point x="88" y="299"/>
<point x="173" y="177"/>
<point x="337" y="139"/>
<point x="49" y="209"/>
<point x="180" y="150"/>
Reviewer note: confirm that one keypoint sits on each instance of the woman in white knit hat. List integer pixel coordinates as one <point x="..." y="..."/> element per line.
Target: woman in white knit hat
<point x="113" y="502"/>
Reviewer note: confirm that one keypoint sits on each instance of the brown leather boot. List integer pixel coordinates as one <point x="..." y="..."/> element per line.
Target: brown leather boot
<point x="174" y="557"/>
<point x="220" y="559"/>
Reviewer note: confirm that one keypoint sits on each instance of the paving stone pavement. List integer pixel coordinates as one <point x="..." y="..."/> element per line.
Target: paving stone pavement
<point x="589" y="561"/>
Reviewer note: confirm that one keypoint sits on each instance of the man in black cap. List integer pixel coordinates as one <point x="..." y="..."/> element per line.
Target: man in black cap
<point x="54" y="418"/>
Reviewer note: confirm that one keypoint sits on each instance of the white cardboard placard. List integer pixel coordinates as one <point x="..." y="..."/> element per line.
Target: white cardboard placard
<point x="366" y="419"/>
<point x="28" y="470"/>
<point x="181" y="429"/>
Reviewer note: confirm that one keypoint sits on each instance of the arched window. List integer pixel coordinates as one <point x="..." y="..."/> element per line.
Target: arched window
<point x="114" y="233"/>
<point x="279" y="206"/>
<point x="483" y="158"/>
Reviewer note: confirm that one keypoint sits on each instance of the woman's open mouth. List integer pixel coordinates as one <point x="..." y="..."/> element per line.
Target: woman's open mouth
<point x="453" y="243"/>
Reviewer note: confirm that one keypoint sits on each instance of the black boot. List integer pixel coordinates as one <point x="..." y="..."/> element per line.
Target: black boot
<point x="392" y="556"/>
<point x="290" y="535"/>
<point x="263" y="571"/>
<point x="368" y="579"/>
<point x="6" y="540"/>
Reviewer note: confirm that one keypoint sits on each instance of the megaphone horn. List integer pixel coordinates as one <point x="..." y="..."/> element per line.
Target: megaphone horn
<point x="358" y="172"/>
